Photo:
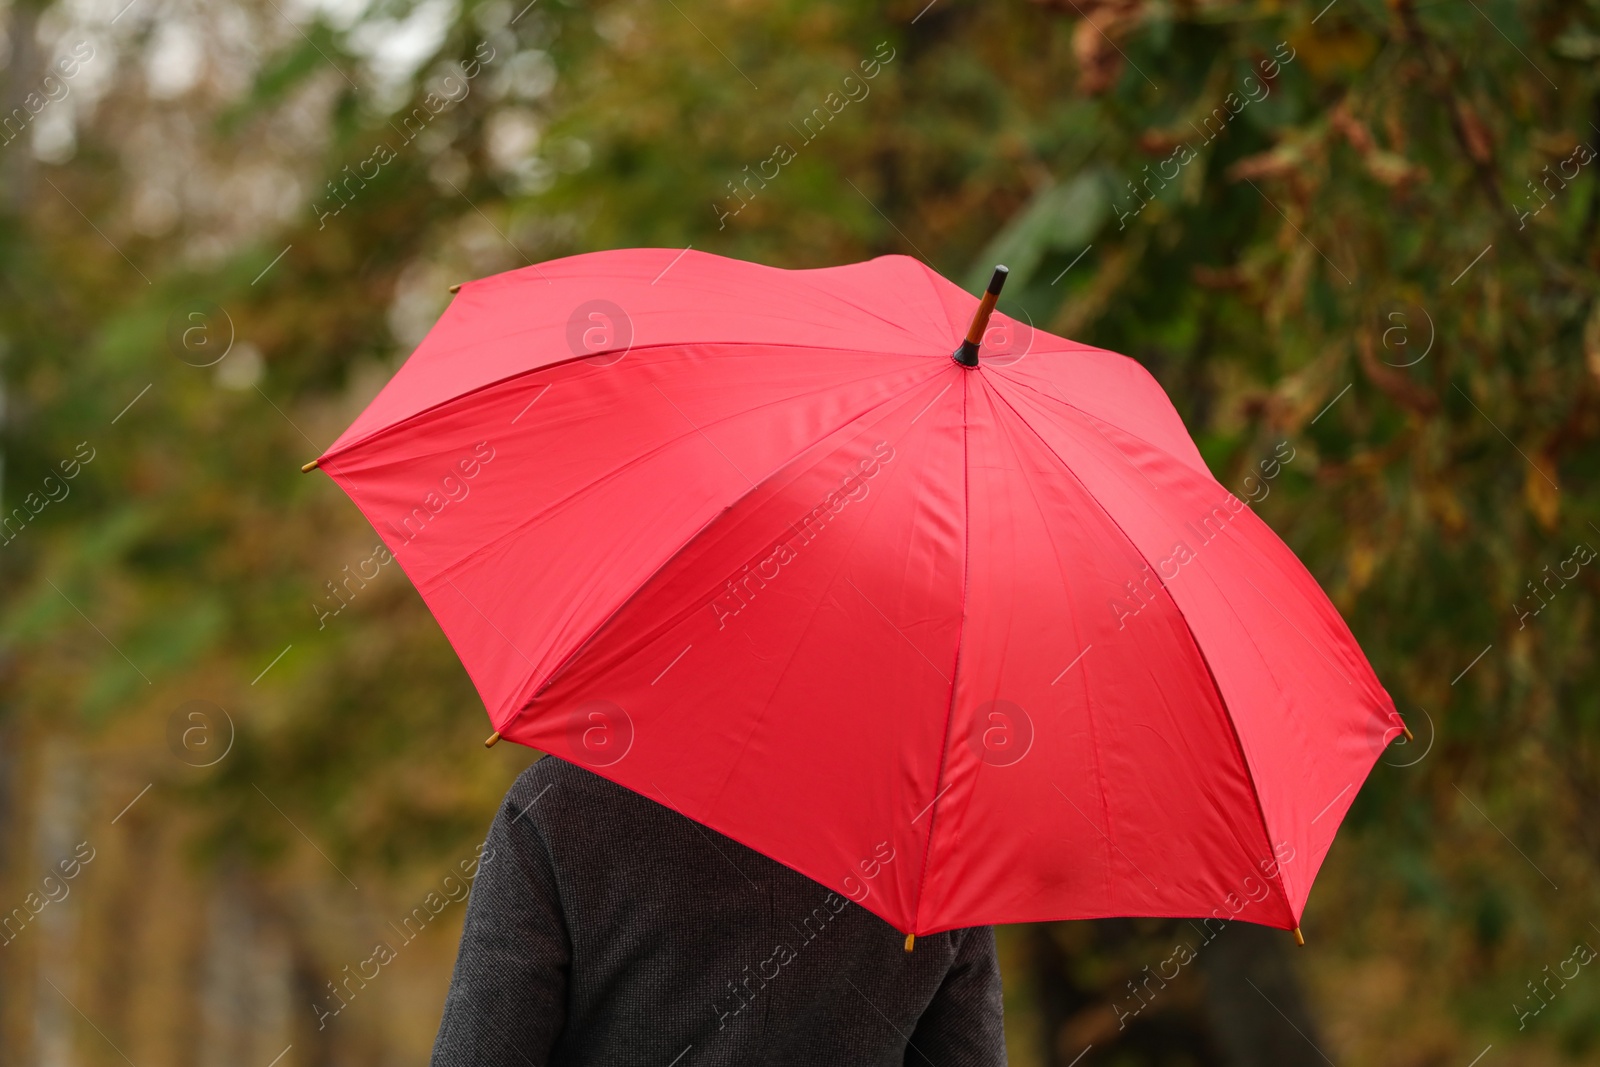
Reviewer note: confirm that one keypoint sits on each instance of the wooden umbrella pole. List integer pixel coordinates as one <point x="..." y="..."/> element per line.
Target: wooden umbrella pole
<point x="967" y="354"/>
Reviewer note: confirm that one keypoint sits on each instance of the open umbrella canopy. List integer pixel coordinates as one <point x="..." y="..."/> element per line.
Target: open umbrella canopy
<point x="965" y="644"/>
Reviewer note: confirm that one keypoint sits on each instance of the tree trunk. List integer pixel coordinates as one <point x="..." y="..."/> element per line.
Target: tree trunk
<point x="1257" y="1011"/>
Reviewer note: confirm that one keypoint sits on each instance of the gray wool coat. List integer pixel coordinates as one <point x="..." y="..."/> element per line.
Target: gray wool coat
<point x="606" y="929"/>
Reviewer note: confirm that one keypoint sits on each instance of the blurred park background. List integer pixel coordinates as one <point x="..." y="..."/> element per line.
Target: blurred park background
<point x="1355" y="240"/>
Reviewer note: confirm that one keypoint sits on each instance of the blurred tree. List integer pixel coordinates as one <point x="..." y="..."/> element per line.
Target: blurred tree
<point x="1362" y="232"/>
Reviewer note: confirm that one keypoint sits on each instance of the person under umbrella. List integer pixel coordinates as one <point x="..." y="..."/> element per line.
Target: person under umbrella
<point x="963" y="637"/>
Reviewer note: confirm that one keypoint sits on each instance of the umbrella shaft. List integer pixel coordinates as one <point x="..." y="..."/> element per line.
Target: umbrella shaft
<point x="967" y="354"/>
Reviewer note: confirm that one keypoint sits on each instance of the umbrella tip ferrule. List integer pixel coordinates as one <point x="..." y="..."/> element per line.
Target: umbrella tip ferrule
<point x="456" y="288"/>
<point x="911" y="939"/>
<point x="1299" y="938"/>
<point x="492" y="740"/>
<point x="307" y="468"/>
<point x="1407" y="730"/>
<point x="967" y="354"/>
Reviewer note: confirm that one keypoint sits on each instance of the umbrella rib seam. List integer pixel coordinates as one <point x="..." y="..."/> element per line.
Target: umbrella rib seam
<point x="331" y="454"/>
<point x="867" y="310"/>
<point x="456" y="564"/>
<point x="788" y="276"/>
<point x="1244" y="761"/>
<point x="1222" y="702"/>
<point x="1233" y="728"/>
<point x="555" y="674"/>
<point x="966" y="562"/>
<point x="1092" y="417"/>
<point x="938" y="298"/>
<point x="955" y="671"/>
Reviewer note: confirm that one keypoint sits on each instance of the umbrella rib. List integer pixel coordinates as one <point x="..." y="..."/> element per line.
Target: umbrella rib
<point x="389" y="427"/>
<point x="829" y="595"/>
<point x="660" y="447"/>
<point x="955" y="670"/>
<point x="874" y="314"/>
<point x="1094" y="422"/>
<point x="1105" y="835"/>
<point x="1093" y="419"/>
<point x="897" y="629"/>
<point x="705" y="436"/>
<point x="1249" y="773"/>
<point x="583" y="646"/>
<point x="1089" y="703"/>
<point x="930" y="274"/>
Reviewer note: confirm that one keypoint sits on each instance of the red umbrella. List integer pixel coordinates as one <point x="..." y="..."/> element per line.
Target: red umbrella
<point x="968" y="644"/>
